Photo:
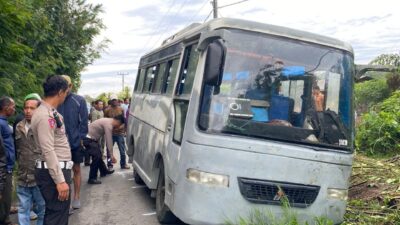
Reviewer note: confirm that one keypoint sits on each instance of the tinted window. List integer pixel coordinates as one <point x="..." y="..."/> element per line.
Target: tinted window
<point x="150" y="76"/>
<point x="170" y="76"/>
<point x="181" y="108"/>
<point x="139" y="80"/>
<point x="188" y="70"/>
<point x="159" y="78"/>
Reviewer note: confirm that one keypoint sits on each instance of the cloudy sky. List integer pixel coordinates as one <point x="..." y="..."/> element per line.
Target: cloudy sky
<point x="134" y="27"/>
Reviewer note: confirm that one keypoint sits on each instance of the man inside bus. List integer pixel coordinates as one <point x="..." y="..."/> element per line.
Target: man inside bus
<point x="318" y="98"/>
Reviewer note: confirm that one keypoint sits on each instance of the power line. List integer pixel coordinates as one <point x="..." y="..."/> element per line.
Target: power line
<point x="159" y="24"/>
<point x="197" y="13"/>
<point x="224" y="6"/>
<point x="169" y="25"/>
<point x="209" y="14"/>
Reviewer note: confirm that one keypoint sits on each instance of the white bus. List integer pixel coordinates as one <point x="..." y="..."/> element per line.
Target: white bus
<point x="231" y="116"/>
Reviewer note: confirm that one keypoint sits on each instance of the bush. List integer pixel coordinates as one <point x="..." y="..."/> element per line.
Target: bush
<point x="379" y="132"/>
<point x="289" y="217"/>
<point x="369" y="93"/>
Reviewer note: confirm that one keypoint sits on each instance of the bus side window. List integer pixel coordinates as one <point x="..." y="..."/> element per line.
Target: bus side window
<point x="150" y="76"/>
<point x="140" y="80"/>
<point x="159" y="79"/>
<point x="170" y="75"/>
<point x="181" y="108"/>
<point x="188" y="71"/>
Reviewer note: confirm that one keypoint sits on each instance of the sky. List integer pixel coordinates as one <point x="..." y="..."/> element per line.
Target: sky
<point x="135" y="27"/>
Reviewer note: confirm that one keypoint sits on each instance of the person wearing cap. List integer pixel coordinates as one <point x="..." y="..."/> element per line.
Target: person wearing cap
<point x="7" y="109"/>
<point x="53" y="170"/>
<point x="118" y="134"/>
<point x="27" y="154"/>
<point x="75" y="113"/>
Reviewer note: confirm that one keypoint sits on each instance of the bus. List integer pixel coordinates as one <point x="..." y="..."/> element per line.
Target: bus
<point x="231" y="116"/>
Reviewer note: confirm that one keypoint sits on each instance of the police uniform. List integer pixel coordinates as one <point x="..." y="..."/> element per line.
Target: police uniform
<point x="55" y="163"/>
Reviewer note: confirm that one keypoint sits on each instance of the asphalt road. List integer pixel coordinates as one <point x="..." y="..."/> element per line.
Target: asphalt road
<point x="118" y="200"/>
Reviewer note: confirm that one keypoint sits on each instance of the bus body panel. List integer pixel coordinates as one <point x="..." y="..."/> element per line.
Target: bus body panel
<point x="192" y="201"/>
<point x="148" y="134"/>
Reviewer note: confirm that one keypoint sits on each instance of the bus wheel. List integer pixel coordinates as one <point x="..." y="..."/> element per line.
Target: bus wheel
<point x="137" y="178"/>
<point x="164" y="214"/>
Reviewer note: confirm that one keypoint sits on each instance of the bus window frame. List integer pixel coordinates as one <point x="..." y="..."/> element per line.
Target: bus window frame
<point x="183" y="61"/>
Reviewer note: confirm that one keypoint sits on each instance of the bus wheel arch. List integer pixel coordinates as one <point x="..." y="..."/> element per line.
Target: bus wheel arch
<point x="164" y="214"/>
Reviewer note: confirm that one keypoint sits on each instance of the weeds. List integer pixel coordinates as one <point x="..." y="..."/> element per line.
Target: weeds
<point x="288" y="217"/>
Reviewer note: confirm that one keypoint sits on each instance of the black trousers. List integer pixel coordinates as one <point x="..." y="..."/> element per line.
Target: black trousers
<point x="93" y="148"/>
<point x="5" y="200"/>
<point x="57" y="212"/>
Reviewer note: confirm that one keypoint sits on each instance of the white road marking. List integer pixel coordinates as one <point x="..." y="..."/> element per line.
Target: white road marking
<point x="124" y="173"/>
<point x="141" y="186"/>
<point x="131" y="179"/>
<point x="150" y="214"/>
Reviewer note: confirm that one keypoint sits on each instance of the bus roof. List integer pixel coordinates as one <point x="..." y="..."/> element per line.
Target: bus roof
<point x="220" y="23"/>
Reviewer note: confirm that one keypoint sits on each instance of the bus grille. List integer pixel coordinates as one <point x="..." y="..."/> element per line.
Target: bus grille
<point x="267" y="192"/>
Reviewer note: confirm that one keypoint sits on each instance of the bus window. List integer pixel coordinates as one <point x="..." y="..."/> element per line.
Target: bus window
<point x="188" y="71"/>
<point x="140" y="80"/>
<point x="148" y="83"/>
<point x="170" y="76"/>
<point x="159" y="78"/>
<point x="181" y="108"/>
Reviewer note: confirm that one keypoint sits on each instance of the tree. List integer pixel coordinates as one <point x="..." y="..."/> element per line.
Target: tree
<point x="125" y="94"/>
<point x="393" y="79"/>
<point x="387" y="59"/>
<point x="44" y="37"/>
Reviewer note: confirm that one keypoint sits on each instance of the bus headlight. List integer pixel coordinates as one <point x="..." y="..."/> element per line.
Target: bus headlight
<point x="201" y="177"/>
<point x="339" y="194"/>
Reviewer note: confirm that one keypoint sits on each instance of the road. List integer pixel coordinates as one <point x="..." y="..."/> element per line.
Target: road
<point x="118" y="200"/>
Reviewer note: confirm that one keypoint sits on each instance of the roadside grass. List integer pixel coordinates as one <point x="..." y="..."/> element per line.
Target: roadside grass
<point x="374" y="197"/>
<point x="288" y="217"/>
<point x="374" y="194"/>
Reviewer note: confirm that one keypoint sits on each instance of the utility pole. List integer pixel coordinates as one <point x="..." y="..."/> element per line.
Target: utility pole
<point x="123" y="74"/>
<point x="215" y="8"/>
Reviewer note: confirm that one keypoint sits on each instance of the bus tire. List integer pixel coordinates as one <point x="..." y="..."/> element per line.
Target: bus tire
<point x="164" y="214"/>
<point x="137" y="177"/>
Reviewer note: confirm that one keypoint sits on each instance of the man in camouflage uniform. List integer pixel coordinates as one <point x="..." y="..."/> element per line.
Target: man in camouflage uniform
<point x="27" y="155"/>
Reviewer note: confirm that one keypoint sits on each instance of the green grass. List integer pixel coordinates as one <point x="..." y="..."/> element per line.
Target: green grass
<point x="288" y="217"/>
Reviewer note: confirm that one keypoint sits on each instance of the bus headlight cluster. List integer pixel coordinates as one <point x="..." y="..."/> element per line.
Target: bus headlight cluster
<point x="339" y="194"/>
<point x="201" y="177"/>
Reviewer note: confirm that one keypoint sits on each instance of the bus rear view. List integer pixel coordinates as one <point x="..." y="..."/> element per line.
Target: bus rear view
<point x="269" y="117"/>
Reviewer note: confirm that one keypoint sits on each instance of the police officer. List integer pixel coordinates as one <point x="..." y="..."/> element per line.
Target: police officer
<point x="53" y="170"/>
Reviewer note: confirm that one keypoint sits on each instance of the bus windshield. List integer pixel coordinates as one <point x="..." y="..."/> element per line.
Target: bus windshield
<point x="282" y="89"/>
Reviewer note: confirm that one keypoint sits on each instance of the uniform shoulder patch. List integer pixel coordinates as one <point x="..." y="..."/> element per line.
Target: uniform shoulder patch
<point x="52" y="123"/>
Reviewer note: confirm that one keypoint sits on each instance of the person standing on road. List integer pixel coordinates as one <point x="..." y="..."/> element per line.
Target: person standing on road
<point x="118" y="134"/>
<point x="53" y="171"/>
<point x="98" y="111"/>
<point x="7" y="109"/>
<point x="101" y="129"/>
<point x="27" y="154"/>
<point x="76" y="117"/>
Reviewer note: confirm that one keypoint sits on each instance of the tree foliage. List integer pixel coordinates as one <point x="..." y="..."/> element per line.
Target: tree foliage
<point x="387" y="59"/>
<point x="370" y="93"/>
<point x="44" y="37"/>
<point x="379" y="132"/>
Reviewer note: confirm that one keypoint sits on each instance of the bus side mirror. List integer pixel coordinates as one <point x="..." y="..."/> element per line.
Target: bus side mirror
<point x="214" y="64"/>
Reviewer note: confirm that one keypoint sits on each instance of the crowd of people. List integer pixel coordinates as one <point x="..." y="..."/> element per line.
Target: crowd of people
<point x="49" y="141"/>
